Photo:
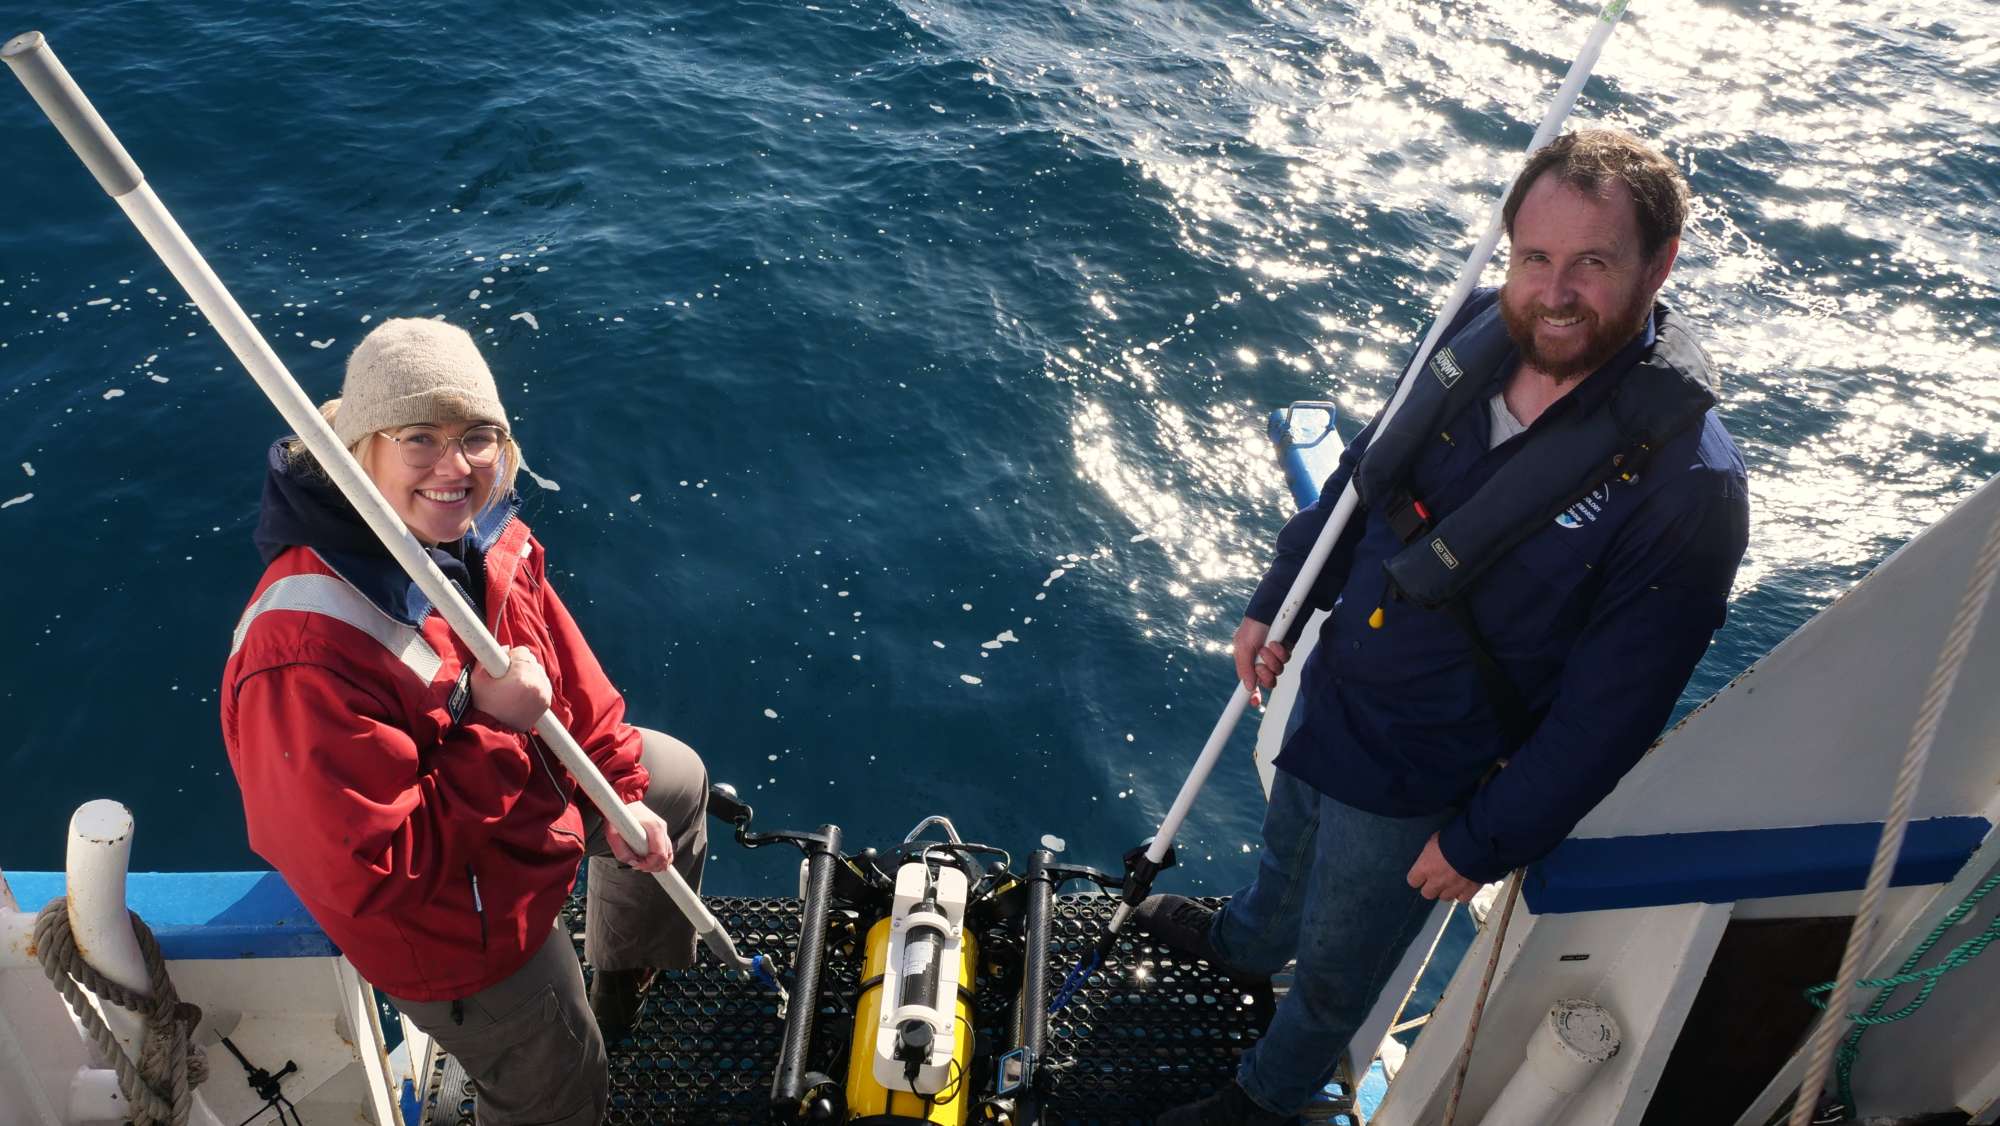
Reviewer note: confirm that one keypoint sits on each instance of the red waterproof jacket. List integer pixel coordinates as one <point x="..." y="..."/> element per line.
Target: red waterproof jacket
<point x="434" y="853"/>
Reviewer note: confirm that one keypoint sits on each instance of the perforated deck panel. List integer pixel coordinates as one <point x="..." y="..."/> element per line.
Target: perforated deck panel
<point x="1150" y="1031"/>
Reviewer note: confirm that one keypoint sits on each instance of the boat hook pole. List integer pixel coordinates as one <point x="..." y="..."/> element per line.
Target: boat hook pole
<point x="1139" y="882"/>
<point x="35" y="64"/>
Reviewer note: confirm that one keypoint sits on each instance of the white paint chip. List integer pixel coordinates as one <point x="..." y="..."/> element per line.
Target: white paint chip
<point x="28" y="468"/>
<point x="937" y="644"/>
<point x="327" y="343"/>
<point x="22" y="499"/>
<point x="159" y="379"/>
<point x="527" y="319"/>
<point x="770" y="713"/>
<point x="1053" y="843"/>
<point x="113" y="393"/>
<point x="966" y="677"/>
<point x="544" y="482"/>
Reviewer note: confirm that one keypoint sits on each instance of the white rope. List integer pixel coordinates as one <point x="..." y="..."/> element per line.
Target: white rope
<point x="1479" y="1002"/>
<point x="1971" y="607"/>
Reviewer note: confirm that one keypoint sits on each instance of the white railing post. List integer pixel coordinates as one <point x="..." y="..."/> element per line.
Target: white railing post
<point x="99" y="856"/>
<point x="100" y="852"/>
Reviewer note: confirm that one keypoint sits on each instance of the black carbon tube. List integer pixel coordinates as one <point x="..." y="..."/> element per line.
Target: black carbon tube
<point x="788" y="1086"/>
<point x="1031" y="1022"/>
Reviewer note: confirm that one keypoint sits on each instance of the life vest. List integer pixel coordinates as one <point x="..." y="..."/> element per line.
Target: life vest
<point x="1666" y="391"/>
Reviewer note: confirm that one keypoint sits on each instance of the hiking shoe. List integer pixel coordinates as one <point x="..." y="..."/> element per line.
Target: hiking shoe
<point x="1229" y="1106"/>
<point x="1182" y="925"/>
<point x="615" y="996"/>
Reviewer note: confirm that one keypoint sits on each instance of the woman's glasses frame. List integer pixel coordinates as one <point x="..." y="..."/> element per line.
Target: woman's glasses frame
<point x="422" y="449"/>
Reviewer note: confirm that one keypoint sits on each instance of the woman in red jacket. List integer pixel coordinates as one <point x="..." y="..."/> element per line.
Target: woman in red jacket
<point x="399" y="789"/>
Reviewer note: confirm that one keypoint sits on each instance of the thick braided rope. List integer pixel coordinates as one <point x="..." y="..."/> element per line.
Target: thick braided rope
<point x="1971" y="607"/>
<point x="160" y="1086"/>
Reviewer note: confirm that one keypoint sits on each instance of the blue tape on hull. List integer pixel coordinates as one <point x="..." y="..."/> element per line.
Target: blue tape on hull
<point x="1604" y="873"/>
<point x="205" y="914"/>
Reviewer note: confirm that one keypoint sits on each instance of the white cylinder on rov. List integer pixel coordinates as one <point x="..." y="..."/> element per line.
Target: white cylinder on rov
<point x="1565" y="1052"/>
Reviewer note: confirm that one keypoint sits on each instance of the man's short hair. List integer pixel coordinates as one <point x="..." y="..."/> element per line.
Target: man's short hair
<point x="1590" y="158"/>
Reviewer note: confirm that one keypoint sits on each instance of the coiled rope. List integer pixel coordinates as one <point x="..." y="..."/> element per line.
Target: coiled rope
<point x="160" y="1086"/>
<point x="1964" y="624"/>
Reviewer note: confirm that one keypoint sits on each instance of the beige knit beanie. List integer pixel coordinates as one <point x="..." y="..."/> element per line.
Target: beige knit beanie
<point x="410" y="370"/>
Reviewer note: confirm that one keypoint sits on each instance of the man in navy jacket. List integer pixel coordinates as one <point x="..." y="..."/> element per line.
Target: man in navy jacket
<point x="1387" y="794"/>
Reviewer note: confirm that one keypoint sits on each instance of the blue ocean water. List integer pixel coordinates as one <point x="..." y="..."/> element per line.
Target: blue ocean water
<point x="893" y="374"/>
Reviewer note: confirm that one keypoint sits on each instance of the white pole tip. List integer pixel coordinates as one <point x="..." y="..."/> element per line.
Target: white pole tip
<point x="25" y="43"/>
<point x="103" y="821"/>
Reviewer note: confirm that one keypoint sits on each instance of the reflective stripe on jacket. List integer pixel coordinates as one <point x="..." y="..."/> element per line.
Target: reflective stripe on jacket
<point x="434" y="854"/>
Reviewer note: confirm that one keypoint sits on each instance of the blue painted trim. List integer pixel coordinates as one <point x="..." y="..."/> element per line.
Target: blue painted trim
<point x="1308" y="451"/>
<point x="1603" y="873"/>
<point x="205" y="914"/>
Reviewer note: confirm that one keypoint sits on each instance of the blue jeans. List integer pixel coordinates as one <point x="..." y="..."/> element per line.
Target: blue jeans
<point x="1329" y="892"/>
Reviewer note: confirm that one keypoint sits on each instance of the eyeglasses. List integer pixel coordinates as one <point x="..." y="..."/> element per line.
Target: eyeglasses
<point x="422" y="449"/>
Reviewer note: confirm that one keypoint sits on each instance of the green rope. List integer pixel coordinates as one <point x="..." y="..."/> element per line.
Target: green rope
<point x="1908" y="974"/>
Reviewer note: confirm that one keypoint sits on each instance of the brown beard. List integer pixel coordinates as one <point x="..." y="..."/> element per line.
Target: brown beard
<point x="1604" y="340"/>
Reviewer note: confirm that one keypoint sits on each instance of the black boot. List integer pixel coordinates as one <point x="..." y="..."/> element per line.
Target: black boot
<point x="615" y="996"/>
<point x="1181" y="924"/>
<point x="1227" y="1107"/>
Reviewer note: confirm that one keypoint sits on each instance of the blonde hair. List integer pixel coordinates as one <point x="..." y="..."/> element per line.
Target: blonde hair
<point x="506" y="470"/>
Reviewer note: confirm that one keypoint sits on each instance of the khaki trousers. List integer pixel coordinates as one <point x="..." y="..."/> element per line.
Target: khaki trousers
<point x="529" y="1043"/>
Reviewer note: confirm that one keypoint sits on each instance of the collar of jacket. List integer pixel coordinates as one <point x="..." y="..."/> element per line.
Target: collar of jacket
<point x="303" y="510"/>
<point x="1656" y="387"/>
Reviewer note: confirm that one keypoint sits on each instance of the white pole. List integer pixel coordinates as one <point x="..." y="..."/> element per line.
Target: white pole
<point x="35" y="64"/>
<point x="1343" y="509"/>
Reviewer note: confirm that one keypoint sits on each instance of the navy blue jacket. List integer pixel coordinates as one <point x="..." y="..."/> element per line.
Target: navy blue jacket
<point x="1598" y="620"/>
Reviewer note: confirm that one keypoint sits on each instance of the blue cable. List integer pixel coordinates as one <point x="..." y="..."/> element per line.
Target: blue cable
<point x="1076" y="979"/>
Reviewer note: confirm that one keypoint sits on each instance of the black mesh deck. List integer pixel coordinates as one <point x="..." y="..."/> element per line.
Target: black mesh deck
<point x="1149" y="1031"/>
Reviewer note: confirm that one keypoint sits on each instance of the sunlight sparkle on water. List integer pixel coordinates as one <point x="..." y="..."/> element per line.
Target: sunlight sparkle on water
<point x="1861" y="378"/>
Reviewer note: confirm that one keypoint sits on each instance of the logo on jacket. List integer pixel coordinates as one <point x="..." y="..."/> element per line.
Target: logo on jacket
<point x="1444" y="555"/>
<point x="1587" y="510"/>
<point x="1445" y="366"/>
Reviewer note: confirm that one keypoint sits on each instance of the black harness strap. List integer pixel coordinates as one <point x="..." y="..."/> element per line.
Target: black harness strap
<point x="1411" y="521"/>
<point x="1658" y="394"/>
